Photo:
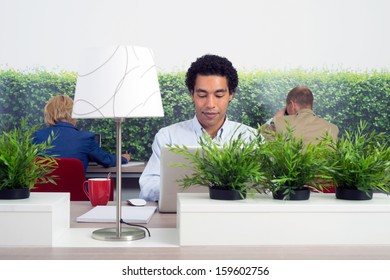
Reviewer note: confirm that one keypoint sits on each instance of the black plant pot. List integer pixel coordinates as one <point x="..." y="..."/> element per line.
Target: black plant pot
<point x="15" y="193"/>
<point x="301" y="194"/>
<point x="350" y="194"/>
<point x="226" y="194"/>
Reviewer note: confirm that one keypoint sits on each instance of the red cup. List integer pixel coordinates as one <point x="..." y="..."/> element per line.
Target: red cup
<point x="98" y="190"/>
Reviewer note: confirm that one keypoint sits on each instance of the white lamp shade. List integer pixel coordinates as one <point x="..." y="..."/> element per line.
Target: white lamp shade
<point x="117" y="82"/>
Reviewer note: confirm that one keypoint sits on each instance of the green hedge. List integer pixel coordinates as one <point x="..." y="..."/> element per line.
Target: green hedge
<point x="341" y="97"/>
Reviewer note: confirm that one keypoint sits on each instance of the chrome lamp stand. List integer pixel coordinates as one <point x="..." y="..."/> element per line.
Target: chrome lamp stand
<point x="118" y="233"/>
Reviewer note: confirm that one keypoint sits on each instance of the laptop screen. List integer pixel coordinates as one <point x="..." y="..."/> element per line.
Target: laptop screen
<point x="98" y="138"/>
<point x="169" y="187"/>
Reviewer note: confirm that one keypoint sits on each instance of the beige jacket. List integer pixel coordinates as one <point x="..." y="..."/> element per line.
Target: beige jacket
<point x="306" y="125"/>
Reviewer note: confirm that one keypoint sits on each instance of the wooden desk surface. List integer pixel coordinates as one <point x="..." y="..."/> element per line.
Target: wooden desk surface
<point x="158" y="220"/>
<point x="276" y="252"/>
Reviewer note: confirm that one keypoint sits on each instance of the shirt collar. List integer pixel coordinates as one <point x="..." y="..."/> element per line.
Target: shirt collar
<point x="306" y="111"/>
<point x="199" y="130"/>
<point x="65" y="124"/>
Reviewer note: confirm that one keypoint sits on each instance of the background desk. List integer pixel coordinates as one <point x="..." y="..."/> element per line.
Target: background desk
<point x="131" y="170"/>
<point x="279" y="252"/>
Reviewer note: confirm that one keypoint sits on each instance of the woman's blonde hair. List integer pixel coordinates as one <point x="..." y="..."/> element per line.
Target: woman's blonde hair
<point x="58" y="109"/>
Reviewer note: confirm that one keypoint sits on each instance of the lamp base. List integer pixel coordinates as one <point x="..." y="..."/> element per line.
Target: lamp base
<point x="110" y="234"/>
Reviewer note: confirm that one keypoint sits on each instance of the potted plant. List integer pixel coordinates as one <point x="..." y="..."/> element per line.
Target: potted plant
<point x="230" y="170"/>
<point x="22" y="163"/>
<point x="360" y="164"/>
<point x="291" y="168"/>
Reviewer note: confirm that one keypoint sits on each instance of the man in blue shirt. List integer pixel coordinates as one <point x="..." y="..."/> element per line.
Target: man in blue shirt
<point x="212" y="81"/>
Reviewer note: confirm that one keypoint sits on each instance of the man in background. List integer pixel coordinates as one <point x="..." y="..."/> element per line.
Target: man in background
<point x="299" y="114"/>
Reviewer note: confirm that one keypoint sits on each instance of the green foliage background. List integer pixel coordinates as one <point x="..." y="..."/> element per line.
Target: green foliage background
<point x="342" y="97"/>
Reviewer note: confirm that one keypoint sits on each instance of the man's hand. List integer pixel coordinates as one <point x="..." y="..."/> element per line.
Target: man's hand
<point x="281" y="112"/>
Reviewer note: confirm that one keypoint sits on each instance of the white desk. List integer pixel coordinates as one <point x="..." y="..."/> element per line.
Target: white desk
<point x="321" y="220"/>
<point x="243" y="252"/>
<point x="36" y="221"/>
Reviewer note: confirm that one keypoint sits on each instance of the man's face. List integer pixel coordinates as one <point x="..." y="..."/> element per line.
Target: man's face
<point x="211" y="98"/>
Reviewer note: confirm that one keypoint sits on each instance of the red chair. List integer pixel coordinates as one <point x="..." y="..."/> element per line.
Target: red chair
<point x="327" y="186"/>
<point x="70" y="178"/>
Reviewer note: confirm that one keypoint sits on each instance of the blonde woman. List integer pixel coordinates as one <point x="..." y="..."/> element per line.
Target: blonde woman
<point x="71" y="142"/>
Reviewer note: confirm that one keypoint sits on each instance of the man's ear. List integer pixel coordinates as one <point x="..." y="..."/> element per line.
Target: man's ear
<point x="231" y="95"/>
<point x="296" y="107"/>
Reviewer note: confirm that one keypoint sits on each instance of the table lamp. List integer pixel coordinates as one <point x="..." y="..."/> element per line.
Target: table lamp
<point x="117" y="82"/>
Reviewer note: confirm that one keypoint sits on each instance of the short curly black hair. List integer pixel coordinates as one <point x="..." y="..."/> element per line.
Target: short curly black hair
<point x="212" y="65"/>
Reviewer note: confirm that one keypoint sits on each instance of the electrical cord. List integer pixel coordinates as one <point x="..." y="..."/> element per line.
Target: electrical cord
<point x="134" y="225"/>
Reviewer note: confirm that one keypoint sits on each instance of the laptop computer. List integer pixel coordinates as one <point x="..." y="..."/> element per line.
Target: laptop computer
<point x="98" y="139"/>
<point x="169" y="187"/>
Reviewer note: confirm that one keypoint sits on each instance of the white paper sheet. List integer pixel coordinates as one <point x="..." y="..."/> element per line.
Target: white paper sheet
<point x="107" y="214"/>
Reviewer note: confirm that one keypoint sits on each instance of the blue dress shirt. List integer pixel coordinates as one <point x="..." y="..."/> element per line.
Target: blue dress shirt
<point x="73" y="143"/>
<point x="182" y="133"/>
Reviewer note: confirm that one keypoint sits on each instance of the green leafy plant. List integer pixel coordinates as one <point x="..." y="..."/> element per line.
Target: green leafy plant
<point x="361" y="160"/>
<point x="288" y="164"/>
<point x="227" y="166"/>
<point x="23" y="163"/>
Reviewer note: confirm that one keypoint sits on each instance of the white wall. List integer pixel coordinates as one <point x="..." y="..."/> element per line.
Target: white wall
<point x="262" y="34"/>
